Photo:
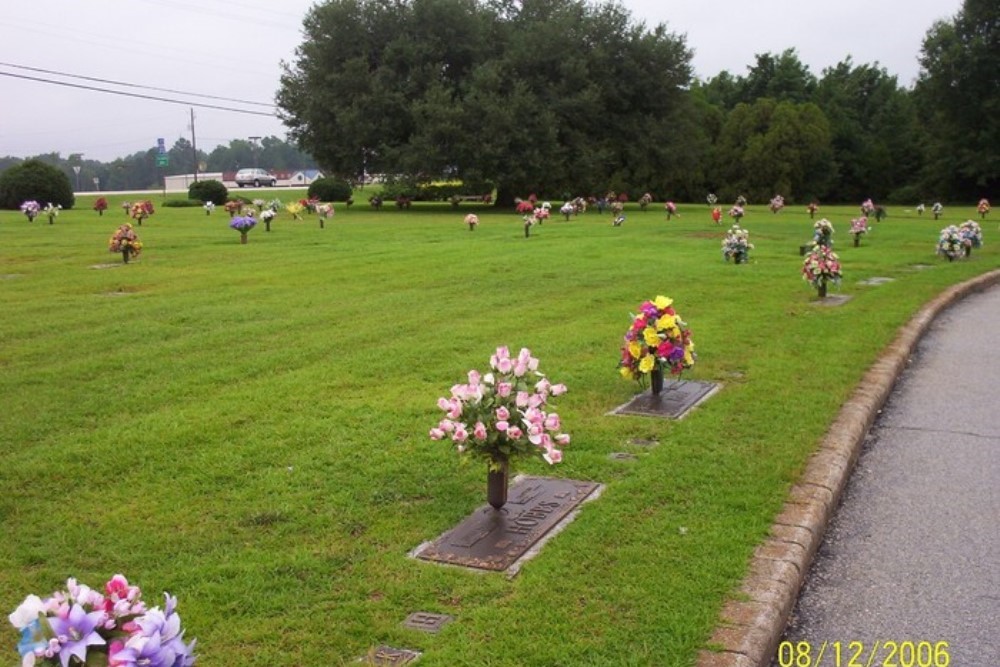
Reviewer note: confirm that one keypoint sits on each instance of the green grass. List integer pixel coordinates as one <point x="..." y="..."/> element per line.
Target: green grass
<point x="246" y="425"/>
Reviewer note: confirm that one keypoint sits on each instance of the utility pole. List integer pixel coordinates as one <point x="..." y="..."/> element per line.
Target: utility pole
<point x="253" y="147"/>
<point x="194" y="148"/>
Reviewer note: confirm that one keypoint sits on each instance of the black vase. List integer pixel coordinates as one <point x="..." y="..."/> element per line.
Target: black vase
<point x="496" y="484"/>
<point x="125" y="253"/>
<point x="822" y="289"/>
<point x="656" y="380"/>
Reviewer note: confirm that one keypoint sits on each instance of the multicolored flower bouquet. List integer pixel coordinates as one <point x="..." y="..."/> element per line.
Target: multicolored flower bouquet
<point x="209" y="207"/>
<point x="812" y="208"/>
<point x="983" y="208"/>
<point x="950" y="242"/>
<point x="777" y="203"/>
<point x="671" y="209"/>
<point x="920" y="209"/>
<point x="859" y="226"/>
<point x="657" y="340"/>
<point x="568" y="209"/>
<point x="736" y="245"/>
<point x="30" y="209"/>
<point x="141" y="210"/>
<point x="125" y="241"/>
<point x="972" y="235"/>
<point x="937" y="210"/>
<point x="52" y="210"/>
<point x="736" y="212"/>
<point x="504" y="413"/>
<point x="823" y="233"/>
<point x="81" y="626"/>
<point x="472" y="220"/>
<point x="821" y="267"/>
<point x="741" y="201"/>
<point x="645" y="200"/>
<point x="267" y="215"/>
<point x="101" y="205"/>
<point x="712" y="199"/>
<point x="867" y="208"/>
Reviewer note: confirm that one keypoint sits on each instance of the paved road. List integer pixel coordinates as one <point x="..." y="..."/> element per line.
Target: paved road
<point x="913" y="553"/>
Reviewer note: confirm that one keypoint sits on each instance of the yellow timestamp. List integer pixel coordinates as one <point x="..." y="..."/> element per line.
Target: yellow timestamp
<point x="880" y="653"/>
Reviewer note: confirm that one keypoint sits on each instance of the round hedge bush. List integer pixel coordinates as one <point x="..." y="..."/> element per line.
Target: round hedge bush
<point x="34" y="179"/>
<point x="209" y="191"/>
<point x="330" y="189"/>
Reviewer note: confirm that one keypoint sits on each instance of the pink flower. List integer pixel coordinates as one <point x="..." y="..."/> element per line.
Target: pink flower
<point x="502" y="425"/>
<point x="504" y="389"/>
<point x="562" y="439"/>
<point x="514" y="432"/>
<point x="558" y="389"/>
<point x="503" y="413"/>
<point x="552" y="456"/>
<point x="444" y="404"/>
<point x="460" y="434"/>
<point x="474" y="378"/>
<point x="522" y="399"/>
<point x="543" y="386"/>
<point x="504" y="365"/>
<point x="535" y="400"/>
<point x="552" y="422"/>
<point x="437" y="434"/>
<point x="535" y="434"/>
<point x="446" y="425"/>
<point x="479" y="431"/>
<point x="520" y="369"/>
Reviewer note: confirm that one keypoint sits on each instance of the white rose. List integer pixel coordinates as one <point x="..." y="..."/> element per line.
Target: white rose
<point x="27" y="612"/>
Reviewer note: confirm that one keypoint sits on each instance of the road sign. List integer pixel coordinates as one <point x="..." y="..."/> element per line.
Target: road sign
<point x="161" y="147"/>
<point x="162" y="160"/>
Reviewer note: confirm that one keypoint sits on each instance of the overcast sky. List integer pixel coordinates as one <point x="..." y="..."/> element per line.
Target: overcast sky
<point x="232" y="49"/>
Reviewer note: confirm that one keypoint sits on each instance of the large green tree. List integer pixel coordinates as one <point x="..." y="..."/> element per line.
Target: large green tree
<point x="550" y="96"/>
<point x="959" y="97"/>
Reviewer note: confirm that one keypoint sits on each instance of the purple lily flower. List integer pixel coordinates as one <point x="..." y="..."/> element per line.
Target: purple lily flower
<point x="76" y="632"/>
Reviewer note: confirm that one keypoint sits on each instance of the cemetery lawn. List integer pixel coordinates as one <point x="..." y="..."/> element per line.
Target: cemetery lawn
<point x="245" y="426"/>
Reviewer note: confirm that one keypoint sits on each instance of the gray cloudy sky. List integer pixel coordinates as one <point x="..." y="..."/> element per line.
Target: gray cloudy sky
<point x="232" y="49"/>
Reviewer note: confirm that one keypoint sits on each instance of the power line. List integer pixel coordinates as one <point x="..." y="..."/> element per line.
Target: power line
<point x="135" y="85"/>
<point x="137" y="95"/>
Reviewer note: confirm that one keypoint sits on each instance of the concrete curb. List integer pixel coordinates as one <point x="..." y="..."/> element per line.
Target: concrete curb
<point x="751" y="625"/>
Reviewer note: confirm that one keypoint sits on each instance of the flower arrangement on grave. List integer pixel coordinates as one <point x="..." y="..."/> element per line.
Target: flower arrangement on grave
<point x="542" y="213"/>
<point x="472" y="220"/>
<point x="859" y="227"/>
<point x="671" y="209"/>
<point x="777" y="203"/>
<point x="523" y="206"/>
<point x="403" y="202"/>
<point x="275" y="205"/>
<point x="81" y="626"/>
<point x="937" y="210"/>
<point x="736" y="245"/>
<point x="717" y="215"/>
<point x="101" y="205"/>
<point x="645" y="200"/>
<point x="209" y="207"/>
<point x="30" y="208"/>
<point x="823" y="233"/>
<point x="376" y="202"/>
<point x="52" y="210"/>
<point x="243" y="224"/>
<point x="267" y="215"/>
<point x="657" y="340"/>
<point x="141" y="210"/>
<point x="983" y="208"/>
<point x="920" y="209"/>
<point x="324" y="211"/>
<point x="579" y="205"/>
<point x="736" y="213"/>
<point x="125" y="241"/>
<point x="950" y="243"/>
<point x="812" y="208"/>
<point x="233" y="207"/>
<point x="503" y="415"/>
<point x="296" y="209"/>
<point x="821" y="267"/>
<point x="567" y="210"/>
<point x="972" y="236"/>
<point x="127" y="207"/>
<point x="867" y="208"/>
<point x="712" y="199"/>
<point x="741" y="201"/>
<point x="260" y="204"/>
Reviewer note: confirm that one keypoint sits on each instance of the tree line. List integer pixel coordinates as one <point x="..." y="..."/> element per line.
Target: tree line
<point x="562" y="97"/>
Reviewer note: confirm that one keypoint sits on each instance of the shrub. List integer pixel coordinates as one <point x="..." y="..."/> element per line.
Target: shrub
<point x="33" y="179"/>
<point x="329" y="189"/>
<point x="210" y="190"/>
<point x="181" y="203"/>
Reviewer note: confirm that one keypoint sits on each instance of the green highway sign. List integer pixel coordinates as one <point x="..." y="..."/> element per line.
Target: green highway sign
<point x="162" y="160"/>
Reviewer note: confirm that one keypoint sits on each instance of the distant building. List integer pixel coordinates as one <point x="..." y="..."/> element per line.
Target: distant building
<point x="304" y="176"/>
<point x="181" y="182"/>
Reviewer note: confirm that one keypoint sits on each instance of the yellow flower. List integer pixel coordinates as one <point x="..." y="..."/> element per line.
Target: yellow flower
<point x="688" y="357"/>
<point x="626" y="372"/>
<point x="651" y="337"/>
<point x="647" y="363"/>
<point x="635" y="349"/>
<point x="667" y="322"/>
<point x="662" y="302"/>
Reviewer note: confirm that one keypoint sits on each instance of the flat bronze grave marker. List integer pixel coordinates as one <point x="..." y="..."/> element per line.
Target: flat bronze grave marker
<point x="833" y="300"/>
<point x="644" y="442"/>
<point x="877" y="280"/>
<point x="491" y="539"/>
<point x="427" y="621"/>
<point x="622" y="456"/>
<point x="676" y="399"/>
<point x="388" y="656"/>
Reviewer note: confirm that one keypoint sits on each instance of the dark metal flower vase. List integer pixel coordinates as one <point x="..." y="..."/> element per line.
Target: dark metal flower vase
<point x="125" y="253"/>
<point x="656" y="381"/>
<point x="857" y="240"/>
<point x="496" y="484"/>
<point x="821" y="289"/>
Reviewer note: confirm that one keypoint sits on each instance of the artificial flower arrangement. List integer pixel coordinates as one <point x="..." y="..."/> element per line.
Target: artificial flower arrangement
<point x="867" y="208"/>
<point x="717" y="215"/>
<point x="859" y="226"/>
<point x="950" y="242"/>
<point x="812" y="208"/>
<point x="711" y="199"/>
<point x="657" y="340"/>
<point x="30" y="209"/>
<point x="542" y="213"/>
<point x="671" y="209"/>
<point x="777" y="203"/>
<point x="937" y="210"/>
<point x="741" y="201"/>
<point x="141" y="210"/>
<point x="376" y="202"/>
<point x="502" y="415"/>
<point x="260" y="204"/>
<point x="209" y="207"/>
<point x="645" y="200"/>
<point x="267" y="215"/>
<point x="567" y="210"/>
<point x="295" y="208"/>
<point x="823" y="233"/>
<point x="972" y="235"/>
<point x="523" y="206"/>
<point x="821" y="266"/>
<point x="323" y="211"/>
<point x="127" y="207"/>
<point x="101" y="205"/>
<point x="52" y="210"/>
<point x="233" y="207"/>
<point x="125" y="241"/>
<point x="736" y="245"/>
<point x="983" y="208"/>
<point x="472" y="220"/>
<point x="243" y="224"/>
<point x="81" y="626"/>
<point x="920" y="209"/>
<point x="736" y="212"/>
